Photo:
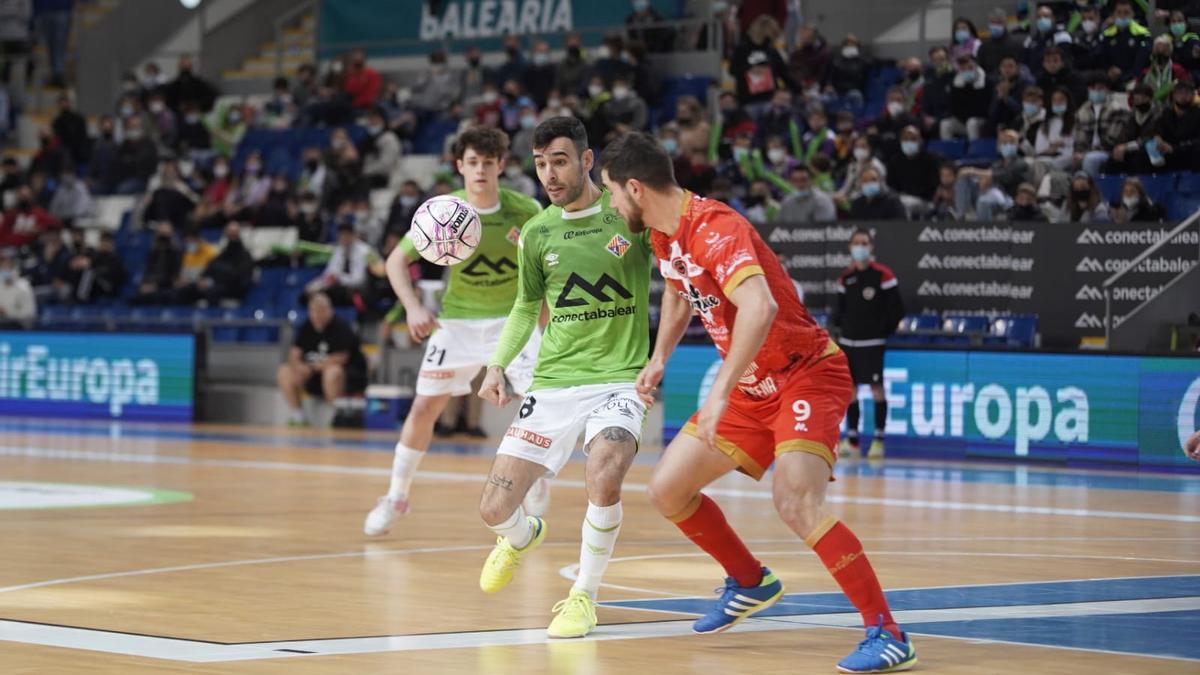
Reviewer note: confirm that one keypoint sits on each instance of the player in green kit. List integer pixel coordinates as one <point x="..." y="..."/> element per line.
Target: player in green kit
<point x="462" y="338"/>
<point x="580" y="258"/>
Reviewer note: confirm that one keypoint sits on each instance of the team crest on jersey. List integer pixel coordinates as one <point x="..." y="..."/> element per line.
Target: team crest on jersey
<point x="868" y="293"/>
<point x="617" y="245"/>
<point x="513" y="236"/>
<point x="679" y="266"/>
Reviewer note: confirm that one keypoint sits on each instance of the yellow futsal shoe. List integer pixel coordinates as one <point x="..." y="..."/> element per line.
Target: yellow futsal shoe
<point x="498" y="570"/>
<point x="876" y="449"/>
<point x="575" y="616"/>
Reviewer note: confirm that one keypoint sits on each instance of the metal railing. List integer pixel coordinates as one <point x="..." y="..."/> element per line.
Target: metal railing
<point x="1132" y="266"/>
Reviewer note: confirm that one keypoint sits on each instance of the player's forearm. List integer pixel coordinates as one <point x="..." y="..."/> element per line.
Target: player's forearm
<point x="517" y="328"/>
<point x="401" y="280"/>
<point x="749" y="332"/>
<point x="672" y="323"/>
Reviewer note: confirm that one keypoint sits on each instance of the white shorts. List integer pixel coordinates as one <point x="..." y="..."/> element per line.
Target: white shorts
<point x="460" y="347"/>
<point x="551" y="420"/>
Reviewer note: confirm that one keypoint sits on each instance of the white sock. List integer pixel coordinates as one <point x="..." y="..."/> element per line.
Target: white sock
<point x="404" y="467"/>
<point x="517" y="529"/>
<point x="296" y="415"/>
<point x="601" y="526"/>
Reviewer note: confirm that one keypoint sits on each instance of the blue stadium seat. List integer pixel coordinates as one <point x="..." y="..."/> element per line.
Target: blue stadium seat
<point x="54" y="315"/>
<point x="1182" y="205"/>
<point x="1159" y="185"/>
<point x="433" y="136"/>
<point x="982" y="148"/>
<point x="965" y="323"/>
<point x="951" y="150"/>
<point x="1013" y="331"/>
<point x="912" y="327"/>
<point x="1189" y="182"/>
<point x="1110" y="186"/>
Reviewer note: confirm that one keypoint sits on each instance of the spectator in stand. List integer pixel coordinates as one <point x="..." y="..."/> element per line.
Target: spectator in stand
<point x="819" y="139"/>
<point x="515" y="178"/>
<point x="312" y="172"/>
<point x="942" y="206"/>
<point x="52" y="18"/>
<point x="1056" y="74"/>
<point x="1087" y="42"/>
<point x="1086" y="204"/>
<point x="12" y="178"/>
<point x="305" y="88"/>
<point x="964" y="37"/>
<point x="843" y="142"/>
<point x="809" y="61"/>
<point x="609" y="63"/>
<point x="381" y="154"/>
<point x="913" y="173"/>
<point x="1046" y="33"/>
<point x="473" y="76"/>
<point x="164" y="261"/>
<point x="18" y="305"/>
<point x="738" y="169"/>
<point x="514" y="64"/>
<point x="345" y="277"/>
<point x="910" y="83"/>
<point x="1125" y="46"/>
<point x="51" y="155"/>
<point x="970" y="98"/>
<point x="280" y="208"/>
<point x="311" y="225"/>
<point x="522" y="140"/>
<point x="757" y="67"/>
<point x="280" y="110"/>
<point x="659" y="39"/>
<point x="97" y="273"/>
<point x="888" y="126"/>
<point x="228" y="276"/>
<point x="694" y="128"/>
<point x="25" y="221"/>
<point x="999" y="43"/>
<point x="249" y="190"/>
<point x="645" y="79"/>
<point x="192" y="134"/>
<point x="153" y="80"/>
<point x="39" y="185"/>
<point x="1025" y="207"/>
<point x="197" y="253"/>
<point x="1131" y="152"/>
<point x="1163" y="72"/>
<point x="1005" y="108"/>
<point x="102" y="168"/>
<point x="863" y="159"/>
<point x="362" y="82"/>
<point x="1054" y="137"/>
<point x="988" y="192"/>
<point x="437" y="89"/>
<point x="876" y="202"/>
<point x="168" y="197"/>
<point x="760" y="206"/>
<point x="1032" y="116"/>
<point x="1099" y="124"/>
<point x="539" y="75"/>
<point x="1178" y="139"/>
<point x="848" y="70"/>
<point x="215" y="197"/>
<point x="326" y="360"/>
<point x="1135" y="206"/>
<point x="806" y="204"/>
<point x="72" y="200"/>
<point x="625" y="112"/>
<point x="733" y="118"/>
<point x="571" y="75"/>
<point x="345" y="181"/>
<point x="934" y="101"/>
<point x="1185" y="43"/>
<point x="163" y="124"/>
<point x="187" y="87"/>
<point x="47" y="271"/>
<point x="71" y="129"/>
<point x="226" y="127"/>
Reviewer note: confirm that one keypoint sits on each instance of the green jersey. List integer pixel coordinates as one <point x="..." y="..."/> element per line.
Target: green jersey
<point x="485" y="285"/>
<point x="595" y="276"/>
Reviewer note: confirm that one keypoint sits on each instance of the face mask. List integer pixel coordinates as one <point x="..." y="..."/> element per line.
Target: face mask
<point x="490" y="96"/>
<point x="895" y="108"/>
<point x="1089" y="26"/>
<point x="361" y="216"/>
<point x="1044" y="24"/>
<point x="850" y="51"/>
<point x="1097" y="96"/>
<point x="185" y="168"/>
<point x="134" y="134"/>
<point x="595" y="90"/>
<point x="1130" y="202"/>
<point x="513" y="52"/>
<point x="308" y="208"/>
<point x="126" y="110"/>
<point x="191" y="118"/>
<point x="803" y="194"/>
<point x="156" y="107"/>
<point x="540" y="58"/>
<point x="620" y="92"/>
<point x="996" y="29"/>
<point x="871" y="189"/>
<point x="253" y="168"/>
<point x="968" y="76"/>
<point x="473" y="62"/>
<point x="220" y="171"/>
<point x="776" y="155"/>
<point x="374" y="130"/>
<point x="861" y="154"/>
<point x="1178" y="28"/>
<point x="528" y="122"/>
<point x="961" y="35"/>
<point x="192" y="247"/>
<point x="909" y="148"/>
<point x="603" y="52"/>
<point x="860" y="253"/>
<point x="1008" y="150"/>
<point x="235" y="117"/>
<point x="670" y="145"/>
<point x="1031" y="109"/>
<point x="740" y="153"/>
<point x="1122" y="22"/>
<point x="406" y="201"/>
<point x="1058" y="108"/>
<point x="6" y="276"/>
<point x="1081" y="194"/>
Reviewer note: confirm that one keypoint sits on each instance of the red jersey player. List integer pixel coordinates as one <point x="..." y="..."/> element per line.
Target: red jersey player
<point x="779" y="397"/>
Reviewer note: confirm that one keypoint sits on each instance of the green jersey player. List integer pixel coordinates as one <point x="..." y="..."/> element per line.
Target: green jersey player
<point x="461" y="339"/>
<point x="581" y="259"/>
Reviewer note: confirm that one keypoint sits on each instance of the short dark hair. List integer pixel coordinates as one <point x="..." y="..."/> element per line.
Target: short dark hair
<point x="866" y="233"/>
<point x="486" y="141"/>
<point x="638" y="156"/>
<point x="800" y="167"/>
<point x="1052" y="50"/>
<point x="562" y="126"/>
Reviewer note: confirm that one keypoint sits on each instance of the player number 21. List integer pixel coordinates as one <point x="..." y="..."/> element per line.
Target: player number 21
<point x="803" y="411"/>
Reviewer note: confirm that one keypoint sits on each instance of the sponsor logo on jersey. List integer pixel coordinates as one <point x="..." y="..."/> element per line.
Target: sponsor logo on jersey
<point x="437" y="374"/>
<point x="618" y="245"/>
<point x="599" y="290"/>
<point x="482" y="266"/>
<point x="529" y="437"/>
<point x="575" y="234"/>
<point x="701" y="303"/>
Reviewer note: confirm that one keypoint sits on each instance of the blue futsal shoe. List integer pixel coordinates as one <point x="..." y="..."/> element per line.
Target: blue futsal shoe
<point x="737" y="603"/>
<point x="880" y="652"/>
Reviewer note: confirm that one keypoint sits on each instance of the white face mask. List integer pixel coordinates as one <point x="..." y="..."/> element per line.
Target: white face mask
<point x="850" y="51"/>
<point x="776" y="155"/>
<point x="540" y="58"/>
<point x="512" y="171"/>
<point x="1089" y="26"/>
<point x="595" y="89"/>
<point x="861" y="154"/>
<point x="1131" y="202"/>
<point x="620" y="92"/>
<point x="602" y="52"/>
<point x="490" y="97"/>
<point x="895" y="108"/>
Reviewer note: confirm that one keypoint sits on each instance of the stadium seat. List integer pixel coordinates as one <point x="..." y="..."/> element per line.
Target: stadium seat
<point x="952" y="150"/>
<point x="1110" y="186"/>
<point x="1159" y="185"/>
<point x="1182" y="205"/>
<point x="1013" y="331"/>
<point x="982" y="148"/>
<point x="1188" y="182"/>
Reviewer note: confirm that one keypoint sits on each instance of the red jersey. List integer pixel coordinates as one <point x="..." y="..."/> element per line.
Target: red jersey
<point x="713" y="251"/>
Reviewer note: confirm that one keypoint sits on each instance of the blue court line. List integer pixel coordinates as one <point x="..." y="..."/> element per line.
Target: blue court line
<point x="948" y="597"/>
<point x="1149" y="634"/>
<point x="1016" y="475"/>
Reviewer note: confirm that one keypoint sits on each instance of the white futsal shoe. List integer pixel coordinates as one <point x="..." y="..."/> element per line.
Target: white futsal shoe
<point x="537" y="500"/>
<point x="386" y="511"/>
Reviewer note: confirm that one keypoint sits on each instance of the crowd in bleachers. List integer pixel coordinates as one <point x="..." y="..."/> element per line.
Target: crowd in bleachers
<point x="1076" y="113"/>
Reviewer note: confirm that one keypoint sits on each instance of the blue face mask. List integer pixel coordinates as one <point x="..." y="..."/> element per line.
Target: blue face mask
<point x="740" y="153"/>
<point x="1097" y="96"/>
<point x="803" y="194"/>
<point x="860" y="253"/>
<point x="1044" y="24"/>
<point x="670" y="145"/>
<point x="909" y="148"/>
<point x="1122" y="22"/>
<point x="1007" y="150"/>
<point x="996" y="29"/>
<point x="968" y="76"/>
<point x="1058" y="108"/>
<point x="871" y="189"/>
<point x="1031" y="109"/>
<point x="962" y="35"/>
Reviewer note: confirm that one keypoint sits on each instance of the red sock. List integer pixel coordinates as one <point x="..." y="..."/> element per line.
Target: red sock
<point x="708" y="529"/>
<point x="843" y="555"/>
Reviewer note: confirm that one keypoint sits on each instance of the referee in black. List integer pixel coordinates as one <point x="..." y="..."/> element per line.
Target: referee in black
<point x="869" y="309"/>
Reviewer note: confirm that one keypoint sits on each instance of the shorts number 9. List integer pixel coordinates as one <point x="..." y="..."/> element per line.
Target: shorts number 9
<point x="803" y="411"/>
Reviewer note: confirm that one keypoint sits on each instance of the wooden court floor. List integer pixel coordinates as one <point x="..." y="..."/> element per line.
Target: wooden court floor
<point x="239" y="550"/>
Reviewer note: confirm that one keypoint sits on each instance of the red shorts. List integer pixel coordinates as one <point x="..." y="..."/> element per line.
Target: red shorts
<point x="803" y="416"/>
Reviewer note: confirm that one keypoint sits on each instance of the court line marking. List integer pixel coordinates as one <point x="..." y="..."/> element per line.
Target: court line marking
<point x="92" y="455"/>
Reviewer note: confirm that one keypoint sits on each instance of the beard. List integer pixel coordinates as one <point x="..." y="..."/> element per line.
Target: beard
<point x="570" y="192"/>
<point x="634" y="220"/>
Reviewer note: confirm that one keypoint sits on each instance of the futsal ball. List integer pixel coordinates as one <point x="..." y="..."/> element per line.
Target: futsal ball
<point x="445" y="230"/>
